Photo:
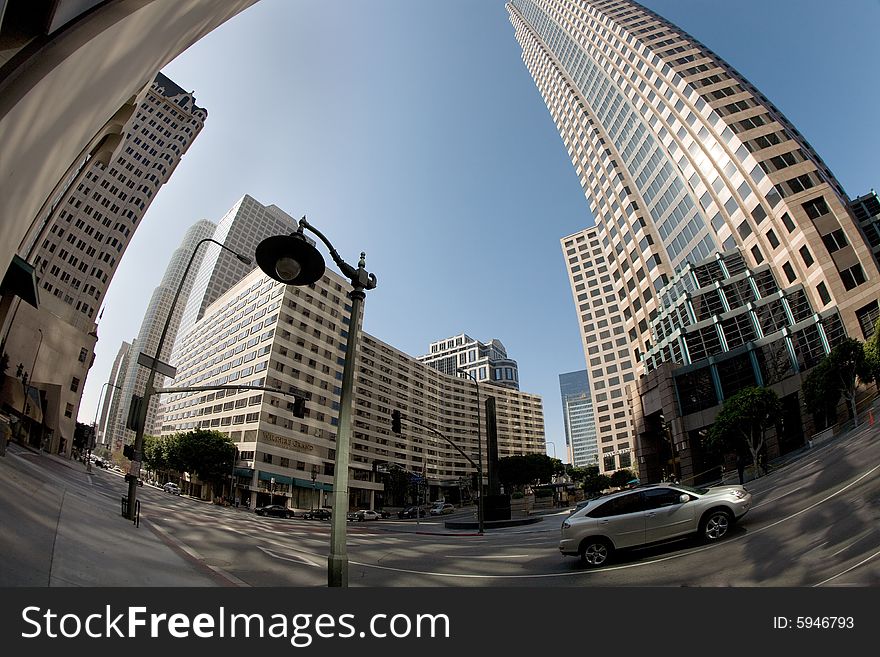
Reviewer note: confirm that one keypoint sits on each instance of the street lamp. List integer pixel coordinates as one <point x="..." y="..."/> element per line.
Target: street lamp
<point x="479" y="452"/>
<point x="27" y="380"/>
<point x="95" y="424"/>
<point x="291" y="260"/>
<point x="148" y="388"/>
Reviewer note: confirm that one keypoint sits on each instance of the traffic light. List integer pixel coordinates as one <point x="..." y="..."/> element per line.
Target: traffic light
<point x="299" y="407"/>
<point x="128" y="452"/>
<point x="395" y="421"/>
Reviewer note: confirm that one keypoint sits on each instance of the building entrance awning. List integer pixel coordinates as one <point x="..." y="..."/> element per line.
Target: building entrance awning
<point x="20" y="280"/>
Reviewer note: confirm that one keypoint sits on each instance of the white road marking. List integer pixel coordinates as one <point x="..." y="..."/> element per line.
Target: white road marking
<point x="485" y="556"/>
<point x="844" y="572"/>
<point x="294" y="558"/>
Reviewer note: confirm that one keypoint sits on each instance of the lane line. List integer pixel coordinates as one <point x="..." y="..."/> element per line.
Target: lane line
<point x="844" y="572"/>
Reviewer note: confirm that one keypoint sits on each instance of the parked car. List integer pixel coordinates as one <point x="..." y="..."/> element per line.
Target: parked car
<point x="383" y="513"/>
<point x="650" y="514"/>
<point x="275" y="510"/>
<point x="412" y="512"/>
<point x="361" y="515"/>
<point x="441" y="509"/>
<point x="318" y="514"/>
<point x="172" y="488"/>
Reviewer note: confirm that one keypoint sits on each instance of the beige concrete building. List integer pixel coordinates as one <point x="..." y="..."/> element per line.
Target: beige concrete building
<point x="70" y="72"/>
<point x="292" y="339"/>
<point x="680" y="157"/>
<point x="80" y="240"/>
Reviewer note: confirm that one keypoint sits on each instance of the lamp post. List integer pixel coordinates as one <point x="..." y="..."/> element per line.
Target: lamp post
<point x="95" y="424"/>
<point x="148" y="388"/>
<point x="291" y="260"/>
<point x="27" y="380"/>
<point x="314" y="486"/>
<point x="479" y="451"/>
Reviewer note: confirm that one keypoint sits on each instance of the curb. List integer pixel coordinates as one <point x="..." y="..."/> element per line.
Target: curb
<point x="223" y="577"/>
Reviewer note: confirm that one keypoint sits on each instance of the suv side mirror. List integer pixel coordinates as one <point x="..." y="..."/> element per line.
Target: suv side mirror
<point x="684" y="498"/>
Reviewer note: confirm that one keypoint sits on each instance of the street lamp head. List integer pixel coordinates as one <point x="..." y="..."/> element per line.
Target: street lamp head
<point x="290" y="259"/>
<point x="244" y="259"/>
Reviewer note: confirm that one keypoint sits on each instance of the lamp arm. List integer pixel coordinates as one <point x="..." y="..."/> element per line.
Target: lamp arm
<point x="349" y="271"/>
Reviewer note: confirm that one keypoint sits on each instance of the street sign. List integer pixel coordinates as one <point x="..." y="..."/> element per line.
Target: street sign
<point x="155" y="364"/>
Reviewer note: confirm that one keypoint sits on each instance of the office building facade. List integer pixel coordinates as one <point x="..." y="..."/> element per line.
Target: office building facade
<point x="80" y="240"/>
<point x="112" y="388"/>
<point x="680" y="157"/>
<point x="292" y="340"/>
<point x="484" y="361"/>
<point x="580" y="422"/>
<point x="244" y="226"/>
<point x="133" y="378"/>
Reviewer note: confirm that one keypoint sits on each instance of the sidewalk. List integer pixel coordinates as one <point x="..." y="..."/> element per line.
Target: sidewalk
<point x="61" y="530"/>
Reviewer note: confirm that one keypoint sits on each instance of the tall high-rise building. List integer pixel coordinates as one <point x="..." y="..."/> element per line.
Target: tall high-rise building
<point x="113" y="387"/>
<point x="484" y="361"/>
<point x="680" y="157"/>
<point x="292" y="340"/>
<point x="79" y="240"/>
<point x="134" y="377"/>
<point x="580" y="424"/>
<point x="244" y="226"/>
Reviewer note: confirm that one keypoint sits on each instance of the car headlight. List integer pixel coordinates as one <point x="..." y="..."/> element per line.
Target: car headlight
<point x="739" y="494"/>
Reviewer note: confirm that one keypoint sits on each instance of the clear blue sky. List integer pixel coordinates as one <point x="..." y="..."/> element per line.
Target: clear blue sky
<point x="411" y="130"/>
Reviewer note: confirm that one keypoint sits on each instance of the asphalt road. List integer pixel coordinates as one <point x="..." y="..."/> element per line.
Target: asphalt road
<point x="814" y="523"/>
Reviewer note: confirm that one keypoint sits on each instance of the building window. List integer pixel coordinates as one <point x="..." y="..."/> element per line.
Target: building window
<point x="68" y="410"/>
<point x="771" y="237"/>
<point x="789" y="272"/>
<point x="816" y="207"/>
<point x="823" y="293"/>
<point x="868" y="316"/>
<point x="756" y="254"/>
<point x="787" y="222"/>
<point x="74" y="385"/>
<point x="835" y="240"/>
<point x="83" y="353"/>
<point x="806" y="255"/>
<point x="853" y="277"/>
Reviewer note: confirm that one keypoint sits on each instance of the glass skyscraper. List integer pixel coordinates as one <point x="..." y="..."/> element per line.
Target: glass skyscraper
<point x="680" y="157"/>
<point x="577" y="412"/>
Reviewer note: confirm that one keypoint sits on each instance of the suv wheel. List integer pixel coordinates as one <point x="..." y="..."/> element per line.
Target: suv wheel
<point x="715" y="525"/>
<point x="595" y="552"/>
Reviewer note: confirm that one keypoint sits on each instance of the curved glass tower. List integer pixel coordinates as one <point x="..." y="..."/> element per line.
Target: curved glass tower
<point x="680" y="157"/>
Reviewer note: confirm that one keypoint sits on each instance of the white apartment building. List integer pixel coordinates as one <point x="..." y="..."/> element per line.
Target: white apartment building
<point x="292" y="339"/>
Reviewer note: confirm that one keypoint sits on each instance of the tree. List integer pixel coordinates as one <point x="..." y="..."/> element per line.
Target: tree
<point x="849" y="364"/>
<point x="82" y="436"/>
<point x="594" y="482"/>
<point x="207" y="454"/>
<point x="524" y="470"/>
<point x="744" y="420"/>
<point x="396" y="484"/>
<point x="821" y="394"/>
<point x="872" y="353"/>
<point x="622" y="477"/>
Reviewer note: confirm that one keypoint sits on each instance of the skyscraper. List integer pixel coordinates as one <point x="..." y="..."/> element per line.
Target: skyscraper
<point x="80" y="238"/>
<point x="680" y="157"/>
<point x="133" y="378"/>
<point x="114" y="385"/>
<point x="577" y="413"/>
<point x="244" y="226"/>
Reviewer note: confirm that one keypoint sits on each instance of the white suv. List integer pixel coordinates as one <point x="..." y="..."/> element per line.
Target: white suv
<point x="650" y="514"/>
<point x="171" y="487"/>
